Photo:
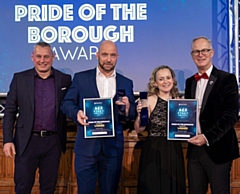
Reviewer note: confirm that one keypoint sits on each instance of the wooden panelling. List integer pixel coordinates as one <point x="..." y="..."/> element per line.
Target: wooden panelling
<point x="128" y="182"/>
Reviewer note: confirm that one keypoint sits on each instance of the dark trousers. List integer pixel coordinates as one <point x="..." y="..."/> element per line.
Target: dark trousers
<point x="43" y="153"/>
<point x="202" y="170"/>
<point x="104" y="169"/>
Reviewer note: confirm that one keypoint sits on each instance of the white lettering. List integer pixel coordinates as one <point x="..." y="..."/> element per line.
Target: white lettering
<point x="142" y="11"/>
<point x="116" y="8"/>
<point x="44" y="12"/>
<point x="34" y="13"/>
<point x="68" y="12"/>
<point x="132" y="11"/>
<point x="126" y="33"/>
<point x="77" y="54"/>
<point x="33" y="34"/>
<point x="55" y="12"/>
<point x="86" y="12"/>
<point x="80" y="34"/>
<point x="83" y="31"/>
<point x="100" y="11"/>
<point x="20" y="12"/>
<point x="64" y="34"/>
<point x="95" y="37"/>
<point x="49" y="34"/>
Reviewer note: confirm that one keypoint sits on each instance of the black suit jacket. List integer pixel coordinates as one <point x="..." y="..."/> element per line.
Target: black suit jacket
<point x="218" y="115"/>
<point x="20" y="99"/>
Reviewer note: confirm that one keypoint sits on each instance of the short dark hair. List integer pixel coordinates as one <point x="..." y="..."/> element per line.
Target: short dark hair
<point x="43" y="44"/>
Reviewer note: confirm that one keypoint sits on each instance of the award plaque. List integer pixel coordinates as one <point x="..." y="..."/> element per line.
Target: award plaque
<point x="100" y="117"/>
<point x="182" y="119"/>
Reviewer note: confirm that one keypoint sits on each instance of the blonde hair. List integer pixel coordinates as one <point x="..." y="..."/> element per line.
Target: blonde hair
<point x="153" y="90"/>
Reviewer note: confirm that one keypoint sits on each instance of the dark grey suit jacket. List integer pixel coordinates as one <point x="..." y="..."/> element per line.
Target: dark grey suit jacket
<point x="218" y="115"/>
<point x="20" y="99"/>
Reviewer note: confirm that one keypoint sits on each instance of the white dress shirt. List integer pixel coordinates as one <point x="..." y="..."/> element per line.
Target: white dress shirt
<point x="106" y="85"/>
<point x="200" y="90"/>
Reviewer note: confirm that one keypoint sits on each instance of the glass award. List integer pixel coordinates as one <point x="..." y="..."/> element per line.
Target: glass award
<point x="121" y="107"/>
<point x="144" y="111"/>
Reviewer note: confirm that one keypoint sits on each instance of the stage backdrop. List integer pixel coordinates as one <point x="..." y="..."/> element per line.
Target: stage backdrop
<point x="147" y="33"/>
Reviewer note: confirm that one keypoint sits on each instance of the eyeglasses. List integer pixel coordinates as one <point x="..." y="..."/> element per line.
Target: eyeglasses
<point x="203" y="51"/>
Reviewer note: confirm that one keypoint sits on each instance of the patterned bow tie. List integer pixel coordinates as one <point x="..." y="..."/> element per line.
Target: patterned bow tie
<point x="198" y="77"/>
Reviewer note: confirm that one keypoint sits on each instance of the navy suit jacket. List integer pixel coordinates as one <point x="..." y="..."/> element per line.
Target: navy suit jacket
<point x="218" y="115"/>
<point x="84" y="86"/>
<point x="20" y="99"/>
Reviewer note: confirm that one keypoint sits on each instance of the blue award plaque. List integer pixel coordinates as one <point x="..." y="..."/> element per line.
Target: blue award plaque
<point x="182" y="119"/>
<point x="100" y="117"/>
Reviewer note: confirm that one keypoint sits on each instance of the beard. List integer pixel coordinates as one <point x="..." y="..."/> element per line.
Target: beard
<point x="106" y="67"/>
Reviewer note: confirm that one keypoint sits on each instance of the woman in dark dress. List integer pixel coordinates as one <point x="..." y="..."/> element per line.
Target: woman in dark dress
<point x="161" y="167"/>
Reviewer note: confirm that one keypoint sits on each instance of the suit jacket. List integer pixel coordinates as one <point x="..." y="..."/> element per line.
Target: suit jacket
<point x="84" y="86"/>
<point x="20" y="99"/>
<point x="218" y="115"/>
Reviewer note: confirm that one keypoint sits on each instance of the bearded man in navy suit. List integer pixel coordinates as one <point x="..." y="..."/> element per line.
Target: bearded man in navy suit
<point x="212" y="150"/>
<point x="99" y="158"/>
<point x="34" y="127"/>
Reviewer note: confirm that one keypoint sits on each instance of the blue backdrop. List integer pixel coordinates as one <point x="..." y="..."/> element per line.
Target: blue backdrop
<point x="147" y="33"/>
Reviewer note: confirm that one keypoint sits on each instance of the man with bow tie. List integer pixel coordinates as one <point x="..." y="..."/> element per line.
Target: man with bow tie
<point x="212" y="150"/>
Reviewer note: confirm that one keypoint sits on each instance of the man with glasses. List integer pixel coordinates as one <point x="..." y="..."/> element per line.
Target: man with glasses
<point x="212" y="150"/>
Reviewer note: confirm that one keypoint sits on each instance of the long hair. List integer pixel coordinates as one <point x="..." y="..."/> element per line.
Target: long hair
<point x="153" y="90"/>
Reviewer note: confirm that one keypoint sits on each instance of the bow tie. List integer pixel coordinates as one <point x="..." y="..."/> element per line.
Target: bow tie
<point x="198" y="77"/>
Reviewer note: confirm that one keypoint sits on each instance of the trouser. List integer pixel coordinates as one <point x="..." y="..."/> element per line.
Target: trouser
<point x="202" y="171"/>
<point x="43" y="153"/>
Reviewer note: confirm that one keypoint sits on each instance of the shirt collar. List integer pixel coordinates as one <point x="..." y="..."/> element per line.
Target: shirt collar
<point x="208" y="72"/>
<point x="99" y="73"/>
<point x="36" y="74"/>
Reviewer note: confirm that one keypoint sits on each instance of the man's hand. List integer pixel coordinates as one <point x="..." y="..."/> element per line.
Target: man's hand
<point x="198" y="140"/>
<point x="125" y="102"/>
<point x="81" y="118"/>
<point x="9" y="150"/>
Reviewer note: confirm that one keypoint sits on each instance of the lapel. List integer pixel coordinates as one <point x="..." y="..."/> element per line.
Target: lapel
<point x="118" y="82"/>
<point x="193" y="88"/>
<point x="30" y="86"/>
<point x="212" y="80"/>
<point x="93" y="82"/>
<point x="57" y="79"/>
<point x="119" y="85"/>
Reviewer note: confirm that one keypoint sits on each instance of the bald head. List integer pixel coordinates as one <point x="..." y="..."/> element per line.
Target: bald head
<point x="108" y="43"/>
<point x="107" y="57"/>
